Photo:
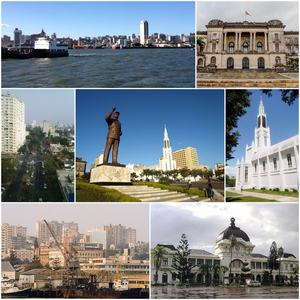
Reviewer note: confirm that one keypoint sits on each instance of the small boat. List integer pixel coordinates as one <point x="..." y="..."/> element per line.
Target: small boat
<point x="115" y="46"/>
<point x="16" y="292"/>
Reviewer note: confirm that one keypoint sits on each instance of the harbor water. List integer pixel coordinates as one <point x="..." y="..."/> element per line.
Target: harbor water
<point x="104" y="68"/>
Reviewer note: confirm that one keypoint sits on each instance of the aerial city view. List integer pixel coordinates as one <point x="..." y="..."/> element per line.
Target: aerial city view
<point x="132" y="44"/>
<point x="150" y="149"/>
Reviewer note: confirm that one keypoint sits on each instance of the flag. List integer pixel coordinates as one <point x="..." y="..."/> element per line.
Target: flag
<point x="247" y="14"/>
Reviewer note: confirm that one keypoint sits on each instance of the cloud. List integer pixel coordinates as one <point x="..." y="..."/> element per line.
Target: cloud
<point x="230" y="171"/>
<point x="5" y="25"/>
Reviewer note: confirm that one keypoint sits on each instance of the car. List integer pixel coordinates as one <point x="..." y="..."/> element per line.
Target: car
<point x="45" y="186"/>
<point x="40" y="199"/>
<point x="253" y="283"/>
<point x="2" y="190"/>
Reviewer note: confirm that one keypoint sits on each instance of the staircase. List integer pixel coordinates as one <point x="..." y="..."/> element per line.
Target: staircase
<point x="151" y="194"/>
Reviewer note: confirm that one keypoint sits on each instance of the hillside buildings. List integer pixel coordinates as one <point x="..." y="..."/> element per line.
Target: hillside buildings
<point x="267" y="166"/>
<point x="13" y="128"/>
<point x="242" y="252"/>
<point x="247" y="45"/>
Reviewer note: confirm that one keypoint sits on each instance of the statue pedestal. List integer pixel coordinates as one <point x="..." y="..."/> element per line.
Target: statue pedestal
<point x="109" y="174"/>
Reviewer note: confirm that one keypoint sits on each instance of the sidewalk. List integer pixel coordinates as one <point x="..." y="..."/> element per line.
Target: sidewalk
<point x="264" y="196"/>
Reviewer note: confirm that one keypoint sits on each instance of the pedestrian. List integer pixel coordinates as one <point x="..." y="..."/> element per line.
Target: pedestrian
<point x="241" y="189"/>
<point x="210" y="191"/>
<point x="189" y="183"/>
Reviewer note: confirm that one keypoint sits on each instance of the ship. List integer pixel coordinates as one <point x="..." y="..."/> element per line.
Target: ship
<point x="43" y="48"/>
<point x="86" y="47"/>
<point x="115" y="46"/>
<point x="10" y="290"/>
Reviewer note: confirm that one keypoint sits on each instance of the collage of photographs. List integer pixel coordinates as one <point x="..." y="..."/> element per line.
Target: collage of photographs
<point x="150" y="149"/>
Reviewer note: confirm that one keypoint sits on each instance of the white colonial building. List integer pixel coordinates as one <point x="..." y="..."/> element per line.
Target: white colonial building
<point x="267" y="166"/>
<point x="242" y="252"/>
<point x="247" y="45"/>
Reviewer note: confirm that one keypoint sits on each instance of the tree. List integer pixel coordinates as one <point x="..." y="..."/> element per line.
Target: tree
<point x="216" y="269"/>
<point x="287" y="96"/>
<point x="208" y="173"/>
<point x="223" y="270"/>
<point x="34" y="265"/>
<point x="8" y="171"/>
<point x="184" y="172"/>
<point x="157" y="255"/>
<point x="280" y="255"/>
<point x="133" y="175"/>
<point x="200" y="41"/>
<point x="245" y="270"/>
<point x="181" y="261"/>
<point x="22" y="149"/>
<point x="272" y="262"/>
<point x="232" y="241"/>
<point x="13" y="258"/>
<point x="236" y="102"/>
<point x="194" y="173"/>
<point x="205" y="270"/>
<point x="175" y="174"/>
<point x="146" y="173"/>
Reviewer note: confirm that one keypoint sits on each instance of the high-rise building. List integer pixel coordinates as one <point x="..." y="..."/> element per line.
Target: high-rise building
<point x="46" y="126"/>
<point x="166" y="162"/>
<point x="13" y="123"/>
<point x="144" y="32"/>
<point x="17" y="36"/>
<point x="186" y="158"/>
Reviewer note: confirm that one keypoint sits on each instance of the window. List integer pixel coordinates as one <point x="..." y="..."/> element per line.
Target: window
<point x="289" y="160"/>
<point x="213" y="60"/>
<point x="288" y="40"/>
<point x="276" y="36"/>
<point x="264" y="166"/>
<point x="214" y="36"/>
<point x="231" y="47"/>
<point x="245" y="47"/>
<point x="277" y="60"/>
<point x="255" y="167"/>
<point x="259" y="47"/>
<point x="246" y="174"/>
<point x="296" y="41"/>
<point x="214" y="47"/>
<point x="277" y="47"/>
<point x="274" y="164"/>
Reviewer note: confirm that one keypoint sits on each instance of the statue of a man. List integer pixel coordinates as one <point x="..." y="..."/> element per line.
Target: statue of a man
<point x="113" y="136"/>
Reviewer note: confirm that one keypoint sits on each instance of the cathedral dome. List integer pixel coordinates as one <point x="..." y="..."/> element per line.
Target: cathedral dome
<point x="232" y="229"/>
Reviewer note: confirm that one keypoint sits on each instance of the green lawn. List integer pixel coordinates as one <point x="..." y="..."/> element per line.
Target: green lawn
<point x="282" y="193"/>
<point x="231" y="194"/>
<point x="248" y="199"/>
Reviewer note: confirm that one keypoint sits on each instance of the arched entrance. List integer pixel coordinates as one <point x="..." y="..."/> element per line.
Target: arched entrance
<point x="200" y="62"/>
<point x="261" y="63"/>
<point x="199" y="278"/>
<point x="230" y="63"/>
<point x="245" y="63"/>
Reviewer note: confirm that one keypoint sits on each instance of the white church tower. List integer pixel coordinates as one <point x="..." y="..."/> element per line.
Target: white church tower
<point x="167" y="163"/>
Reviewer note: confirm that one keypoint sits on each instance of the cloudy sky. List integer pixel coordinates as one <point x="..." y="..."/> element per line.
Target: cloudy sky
<point x="88" y="216"/>
<point x="202" y="223"/>
<point x="260" y="11"/>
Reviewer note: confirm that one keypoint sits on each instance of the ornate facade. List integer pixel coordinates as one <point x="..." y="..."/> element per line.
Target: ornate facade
<point x="247" y="45"/>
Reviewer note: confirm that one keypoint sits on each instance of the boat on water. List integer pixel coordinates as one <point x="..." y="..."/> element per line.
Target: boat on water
<point x="10" y="290"/>
<point x="43" y="48"/>
<point x="86" y="47"/>
<point x="115" y="46"/>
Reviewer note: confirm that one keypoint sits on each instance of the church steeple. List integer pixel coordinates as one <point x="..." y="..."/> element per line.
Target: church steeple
<point x="166" y="138"/>
<point x="166" y="162"/>
<point x="262" y="132"/>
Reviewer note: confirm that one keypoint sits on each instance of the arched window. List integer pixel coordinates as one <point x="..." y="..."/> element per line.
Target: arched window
<point x="200" y="62"/>
<point x="245" y="63"/>
<point x="213" y="60"/>
<point x="261" y="63"/>
<point x="231" y="47"/>
<point x="245" y="47"/>
<point x="230" y="63"/>
<point x="259" y="47"/>
<point x="277" y="60"/>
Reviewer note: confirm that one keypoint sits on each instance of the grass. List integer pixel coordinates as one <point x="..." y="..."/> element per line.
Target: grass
<point x="231" y="194"/>
<point x="282" y="193"/>
<point x="248" y="199"/>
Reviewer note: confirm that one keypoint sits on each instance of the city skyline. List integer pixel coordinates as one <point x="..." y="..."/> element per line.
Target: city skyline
<point x="259" y="11"/>
<point x="53" y="105"/>
<point x="162" y="17"/>
<point x="202" y="223"/>
<point x="88" y="216"/>
<point x="190" y="118"/>
<point x="275" y="109"/>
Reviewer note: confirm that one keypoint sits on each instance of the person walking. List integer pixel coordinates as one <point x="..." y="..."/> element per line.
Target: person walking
<point x="189" y="183"/>
<point x="210" y="191"/>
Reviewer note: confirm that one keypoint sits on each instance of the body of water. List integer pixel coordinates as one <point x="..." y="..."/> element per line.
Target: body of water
<point x="104" y="68"/>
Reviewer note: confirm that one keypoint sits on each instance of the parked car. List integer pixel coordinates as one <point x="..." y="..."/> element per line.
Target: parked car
<point x="253" y="283"/>
<point x="45" y="186"/>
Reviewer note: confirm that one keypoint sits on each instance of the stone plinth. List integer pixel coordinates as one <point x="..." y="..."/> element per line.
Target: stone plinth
<point x="108" y="174"/>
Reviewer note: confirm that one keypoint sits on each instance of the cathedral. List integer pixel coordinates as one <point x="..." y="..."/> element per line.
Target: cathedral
<point x="166" y="162"/>
<point x="267" y="166"/>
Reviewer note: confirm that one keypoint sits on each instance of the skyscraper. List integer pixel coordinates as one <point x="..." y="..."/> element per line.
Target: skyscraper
<point x="166" y="162"/>
<point x="17" y="36"/>
<point x="144" y="32"/>
<point x="13" y="123"/>
<point x="186" y="158"/>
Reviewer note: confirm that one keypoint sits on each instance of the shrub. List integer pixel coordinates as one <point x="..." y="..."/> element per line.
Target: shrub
<point x="276" y="190"/>
<point x="295" y="191"/>
<point x="253" y="188"/>
<point x="286" y="190"/>
<point x="263" y="188"/>
<point x="270" y="189"/>
<point x="164" y="180"/>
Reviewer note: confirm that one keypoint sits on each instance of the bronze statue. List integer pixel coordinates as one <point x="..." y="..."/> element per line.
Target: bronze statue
<point x="113" y="136"/>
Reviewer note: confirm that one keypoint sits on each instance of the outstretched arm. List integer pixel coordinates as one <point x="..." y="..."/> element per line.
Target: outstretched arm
<point x="110" y="113"/>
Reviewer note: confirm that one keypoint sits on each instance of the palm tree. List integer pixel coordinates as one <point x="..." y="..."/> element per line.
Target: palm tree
<point x="224" y="269"/>
<point x="200" y="41"/>
<point x="216" y="269"/>
<point x="280" y="254"/>
<point x="205" y="269"/>
<point x="157" y="255"/>
<point x="232" y="241"/>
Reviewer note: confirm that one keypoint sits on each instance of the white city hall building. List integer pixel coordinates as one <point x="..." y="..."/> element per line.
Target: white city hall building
<point x="242" y="252"/>
<point x="267" y="166"/>
<point x="247" y="45"/>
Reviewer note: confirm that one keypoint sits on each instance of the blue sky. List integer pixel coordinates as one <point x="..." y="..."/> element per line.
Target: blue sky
<point x="53" y="105"/>
<point x="194" y="118"/>
<point x="95" y="18"/>
<point x="260" y="11"/>
<point x="282" y="119"/>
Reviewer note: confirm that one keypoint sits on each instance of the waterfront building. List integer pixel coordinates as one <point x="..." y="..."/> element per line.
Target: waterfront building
<point x="13" y="127"/>
<point x="7" y="270"/>
<point x="241" y="253"/>
<point x="267" y="166"/>
<point x="144" y="32"/>
<point x="17" y="37"/>
<point x="166" y="162"/>
<point x="247" y="45"/>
